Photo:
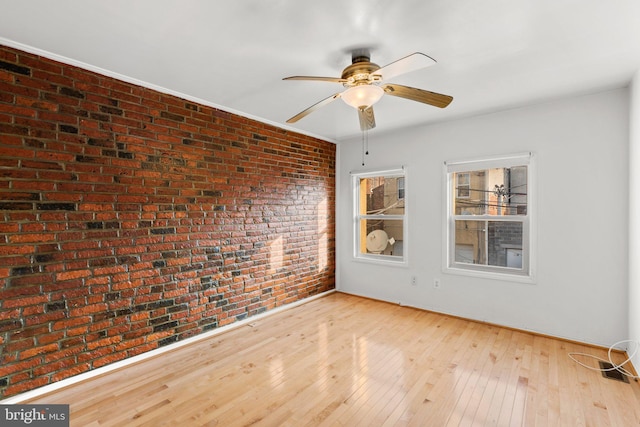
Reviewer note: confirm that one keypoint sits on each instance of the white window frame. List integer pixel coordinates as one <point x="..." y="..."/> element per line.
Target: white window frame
<point x="527" y="273"/>
<point x="402" y="260"/>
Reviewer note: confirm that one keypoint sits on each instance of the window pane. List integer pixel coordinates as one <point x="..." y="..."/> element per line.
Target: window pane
<point x="470" y="242"/>
<point x="499" y="191"/>
<point x="383" y="196"/>
<point x="494" y="243"/>
<point x="505" y="244"/>
<point x="382" y="237"/>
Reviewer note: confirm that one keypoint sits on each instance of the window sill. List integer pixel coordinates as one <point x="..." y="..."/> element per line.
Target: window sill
<point x="385" y="260"/>
<point x="528" y="279"/>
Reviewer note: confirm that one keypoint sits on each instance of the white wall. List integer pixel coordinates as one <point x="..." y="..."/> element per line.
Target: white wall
<point x="581" y="145"/>
<point x="634" y="218"/>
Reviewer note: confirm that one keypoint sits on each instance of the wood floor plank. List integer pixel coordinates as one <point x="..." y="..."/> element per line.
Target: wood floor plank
<point x="343" y="360"/>
<point x="466" y="405"/>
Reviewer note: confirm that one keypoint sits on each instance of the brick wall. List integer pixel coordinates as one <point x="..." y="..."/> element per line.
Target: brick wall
<point x="131" y="219"/>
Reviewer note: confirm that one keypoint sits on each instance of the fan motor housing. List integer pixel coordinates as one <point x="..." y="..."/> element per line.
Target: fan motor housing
<point x="360" y="73"/>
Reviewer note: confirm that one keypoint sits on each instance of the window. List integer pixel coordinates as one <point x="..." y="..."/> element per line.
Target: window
<point x="380" y="216"/>
<point x="400" y="188"/>
<point x="462" y="185"/>
<point x="489" y="217"/>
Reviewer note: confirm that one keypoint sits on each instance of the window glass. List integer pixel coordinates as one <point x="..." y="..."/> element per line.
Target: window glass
<point x="487" y="242"/>
<point x="498" y="191"/>
<point x="383" y="237"/>
<point x="382" y="196"/>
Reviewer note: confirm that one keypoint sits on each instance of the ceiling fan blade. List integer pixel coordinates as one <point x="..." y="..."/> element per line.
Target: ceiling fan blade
<point x="318" y="79"/>
<point x="313" y="108"/>
<point x="409" y="63"/>
<point x="420" y="95"/>
<point x="367" y="119"/>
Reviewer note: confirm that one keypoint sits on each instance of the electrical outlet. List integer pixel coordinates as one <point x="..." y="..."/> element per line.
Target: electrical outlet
<point x="414" y="281"/>
<point x="436" y="283"/>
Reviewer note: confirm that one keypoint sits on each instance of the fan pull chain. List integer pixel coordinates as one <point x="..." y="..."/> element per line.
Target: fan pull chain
<point x="366" y="132"/>
<point x="362" y="148"/>
<point x="365" y="144"/>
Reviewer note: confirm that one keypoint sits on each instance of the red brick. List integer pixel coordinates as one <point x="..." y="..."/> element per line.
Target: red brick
<point x="66" y="373"/>
<point x="103" y="342"/>
<point x="50" y="338"/>
<point x="32" y="238"/>
<point x="20" y="377"/>
<point x="142" y="349"/>
<point x="70" y="323"/>
<point x="18" y="345"/>
<point x="69" y="275"/>
<point x="89" y="309"/>
<point x="109" y="359"/>
<point x="25" y="386"/>
<point x="9" y="314"/>
<point x="27" y="354"/>
<point x="25" y="302"/>
<point x="52" y="367"/>
<point x="81" y="331"/>
<point x="130" y="344"/>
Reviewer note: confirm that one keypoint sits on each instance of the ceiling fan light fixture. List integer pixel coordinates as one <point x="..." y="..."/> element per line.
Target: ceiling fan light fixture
<point x="362" y="96"/>
<point x="365" y="82"/>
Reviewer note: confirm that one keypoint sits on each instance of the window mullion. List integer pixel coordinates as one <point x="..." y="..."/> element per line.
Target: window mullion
<point x="505" y="218"/>
<point x="382" y="217"/>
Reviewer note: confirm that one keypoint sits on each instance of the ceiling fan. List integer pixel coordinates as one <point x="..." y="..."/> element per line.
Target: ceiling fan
<point x="365" y="83"/>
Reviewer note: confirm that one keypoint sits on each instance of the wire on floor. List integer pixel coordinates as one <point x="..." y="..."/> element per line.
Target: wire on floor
<point x="615" y="367"/>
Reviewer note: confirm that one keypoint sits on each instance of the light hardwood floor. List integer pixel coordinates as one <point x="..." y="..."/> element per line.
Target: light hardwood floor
<point x="342" y="360"/>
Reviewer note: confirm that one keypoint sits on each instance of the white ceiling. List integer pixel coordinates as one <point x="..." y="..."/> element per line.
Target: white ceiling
<point x="491" y="54"/>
